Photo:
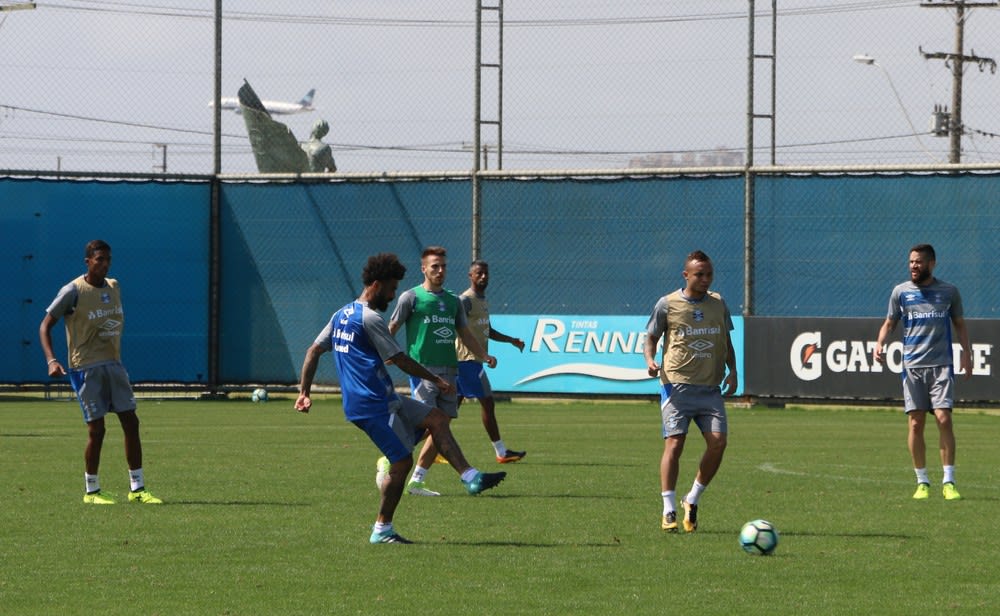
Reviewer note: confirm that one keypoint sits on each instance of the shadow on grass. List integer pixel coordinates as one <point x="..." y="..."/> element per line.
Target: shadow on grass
<point x="236" y="503"/>
<point x="522" y="544"/>
<point x="841" y="535"/>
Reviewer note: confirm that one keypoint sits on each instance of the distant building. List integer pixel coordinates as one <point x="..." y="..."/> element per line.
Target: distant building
<point x="720" y="157"/>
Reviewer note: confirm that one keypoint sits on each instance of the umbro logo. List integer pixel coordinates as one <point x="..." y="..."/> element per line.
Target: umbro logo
<point x="700" y="345"/>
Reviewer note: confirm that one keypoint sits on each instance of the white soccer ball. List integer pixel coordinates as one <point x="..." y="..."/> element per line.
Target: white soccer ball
<point x="259" y="395"/>
<point x="759" y="537"/>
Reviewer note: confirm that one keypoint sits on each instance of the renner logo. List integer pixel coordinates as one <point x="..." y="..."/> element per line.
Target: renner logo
<point x="807" y="356"/>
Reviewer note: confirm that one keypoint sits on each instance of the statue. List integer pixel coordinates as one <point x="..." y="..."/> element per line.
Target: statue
<point x="320" y="154"/>
<point x="275" y="148"/>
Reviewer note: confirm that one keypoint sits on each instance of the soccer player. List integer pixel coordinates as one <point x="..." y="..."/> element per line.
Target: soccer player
<point x="928" y="308"/>
<point x="91" y="308"/>
<point x="362" y="345"/>
<point x="472" y="379"/>
<point x="433" y="317"/>
<point x="697" y="349"/>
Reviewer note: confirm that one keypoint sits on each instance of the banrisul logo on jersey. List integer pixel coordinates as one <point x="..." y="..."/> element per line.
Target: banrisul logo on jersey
<point x="577" y="354"/>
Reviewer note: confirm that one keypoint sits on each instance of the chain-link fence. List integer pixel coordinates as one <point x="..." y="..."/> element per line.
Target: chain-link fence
<point x="125" y="86"/>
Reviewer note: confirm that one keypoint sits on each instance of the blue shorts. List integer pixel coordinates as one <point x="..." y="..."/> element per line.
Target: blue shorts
<point x="396" y="433"/>
<point x="472" y="380"/>
<point x="682" y="402"/>
<point x="102" y="389"/>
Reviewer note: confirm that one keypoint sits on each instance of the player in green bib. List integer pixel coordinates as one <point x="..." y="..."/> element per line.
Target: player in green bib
<point x="434" y="318"/>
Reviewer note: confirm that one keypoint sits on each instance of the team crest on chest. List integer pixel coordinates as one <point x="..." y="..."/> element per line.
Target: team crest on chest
<point x="699" y="316"/>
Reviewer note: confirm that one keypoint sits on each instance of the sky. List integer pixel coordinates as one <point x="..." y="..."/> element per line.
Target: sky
<point x="124" y="85"/>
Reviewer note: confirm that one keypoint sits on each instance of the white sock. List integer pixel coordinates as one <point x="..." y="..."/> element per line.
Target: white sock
<point x="418" y="473"/>
<point x="136" y="480"/>
<point x="379" y="527"/>
<point x="695" y="493"/>
<point x="669" y="501"/>
<point x="500" y="448"/>
<point x="921" y="475"/>
<point x="470" y="474"/>
<point x="92" y="483"/>
<point x="949" y="474"/>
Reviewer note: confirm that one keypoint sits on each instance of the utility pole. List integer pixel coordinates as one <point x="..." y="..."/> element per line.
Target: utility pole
<point x="956" y="61"/>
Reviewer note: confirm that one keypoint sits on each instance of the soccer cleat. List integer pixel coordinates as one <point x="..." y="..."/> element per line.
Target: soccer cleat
<point x="511" y="456"/>
<point x="690" y="517"/>
<point x="419" y="488"/>
<point x="96" y="498"/>
<point x="923" y="491"/>
<point x="387" y="536"/>
<point x="669" y="522"/>
<point x="439" y="459"/>
<point x="143" y="496"/>
<point x="483" y="481"/>
<point x="949" y="491"/>
<point x="381" y="471"/>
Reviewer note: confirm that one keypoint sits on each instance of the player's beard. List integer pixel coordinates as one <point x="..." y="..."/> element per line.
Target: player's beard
<point x="920" y="276"/>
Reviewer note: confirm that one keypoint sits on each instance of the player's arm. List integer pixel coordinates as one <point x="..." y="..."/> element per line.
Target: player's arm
<point x="965" y="361"/>
<point x="878" y="354"/>
<point x="473" y="345"/>
<point x="649" y="352"/>
<point x="303" y="403"/>
<point x="55" y="369"/>
<point x="414" y="368"/>
<point x="495" y="335"/>
<point x="732" y="380"/>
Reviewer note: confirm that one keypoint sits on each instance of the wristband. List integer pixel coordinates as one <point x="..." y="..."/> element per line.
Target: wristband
<point x="53" y="360"/>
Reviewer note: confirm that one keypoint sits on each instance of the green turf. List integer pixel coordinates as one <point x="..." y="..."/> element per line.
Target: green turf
<point x="268" y="512"/>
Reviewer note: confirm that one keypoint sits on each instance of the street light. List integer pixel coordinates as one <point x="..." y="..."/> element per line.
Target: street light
<point x="870" y="61"/>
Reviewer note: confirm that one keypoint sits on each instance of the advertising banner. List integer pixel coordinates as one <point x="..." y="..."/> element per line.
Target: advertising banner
<point x="832" y="359"/>
<point x="579" y="354"/>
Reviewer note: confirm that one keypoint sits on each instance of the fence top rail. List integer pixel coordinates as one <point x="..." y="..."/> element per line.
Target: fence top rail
<point x="631" y="172"/>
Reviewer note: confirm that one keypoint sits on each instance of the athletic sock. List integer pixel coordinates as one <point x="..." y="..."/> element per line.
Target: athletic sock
<point x="669" y="501"/>
<point x="921" y="475"/>
<point x="500" y="448"/>
<point x="418" y="473"/>
<point x="695" y="493"/>
<point x="92" y="483"/>
<point x="949" y="474"/>
<point x="135" y="479"/>
<point x="470" y="474"/>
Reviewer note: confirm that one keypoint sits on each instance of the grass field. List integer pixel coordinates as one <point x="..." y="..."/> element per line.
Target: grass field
<point x="268" y="512"/>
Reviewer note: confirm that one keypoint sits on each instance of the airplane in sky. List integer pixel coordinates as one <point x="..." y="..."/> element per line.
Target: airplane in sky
<point x="274" y="107"/>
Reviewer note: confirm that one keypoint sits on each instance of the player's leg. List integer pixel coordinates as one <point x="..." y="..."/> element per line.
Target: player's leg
<point x="674" y="431"/>
<point x="395" y="435"/>
<point x="133" y="444"/>
<point x="916" y="421"/>
<point x="439" y="425"/>
<point x="95" y="441"/>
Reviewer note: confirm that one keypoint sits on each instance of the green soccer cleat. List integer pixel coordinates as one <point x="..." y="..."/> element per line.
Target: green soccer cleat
<point x="419" y="488"/>
<point x="96" y="498"/>
<point x="923" y="491"/>
<point x="669" y="522"/>
<point x="143" y="496"/>
<point x="690" y="517"/>
<point x="387" y="536"/>
<point x="483" y="481"/>
<point x="949" y="491"/>
<point x="381" y="471"/>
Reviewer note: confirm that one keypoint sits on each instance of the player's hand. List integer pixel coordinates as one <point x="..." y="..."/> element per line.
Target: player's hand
<point x="652" y="368"/>
<point x="730" y="384"/>
<point x="966" y="364"/>
<point x="519" y="344"/>
<point x="445" y="386"/>
<point x="56" y="369"/>
<point x="303" y="403"/>
<point x="491" y="361"/>
<point x="878" y="354"/>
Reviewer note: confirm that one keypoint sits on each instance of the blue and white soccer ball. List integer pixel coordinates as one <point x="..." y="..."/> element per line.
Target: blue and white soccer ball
<point x="759" y="537"/>
<point x="259" y="395"/>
